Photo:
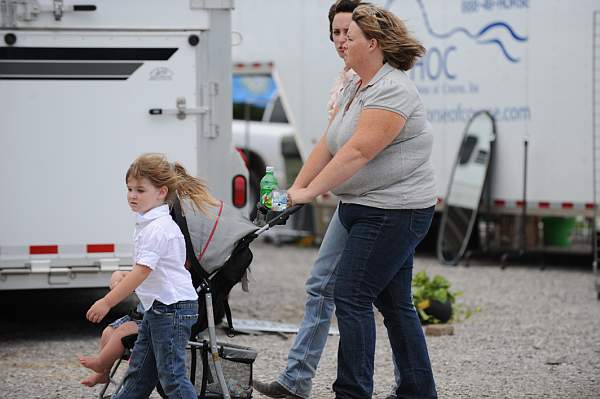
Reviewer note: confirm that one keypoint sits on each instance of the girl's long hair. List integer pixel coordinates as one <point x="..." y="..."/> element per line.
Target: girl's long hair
<point x="160" y="172"/>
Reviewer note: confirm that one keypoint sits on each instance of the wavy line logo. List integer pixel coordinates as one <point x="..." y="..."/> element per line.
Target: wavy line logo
<point x="488" y="35"/>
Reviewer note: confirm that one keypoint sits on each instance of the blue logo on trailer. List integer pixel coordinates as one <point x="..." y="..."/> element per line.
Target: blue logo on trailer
<point x="435" y="63"/>
<point x="477" y="37"/>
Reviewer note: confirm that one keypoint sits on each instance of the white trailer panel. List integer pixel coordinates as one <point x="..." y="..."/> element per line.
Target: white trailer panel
<point x="529" y="62"/>
<point x="82" y="96"/>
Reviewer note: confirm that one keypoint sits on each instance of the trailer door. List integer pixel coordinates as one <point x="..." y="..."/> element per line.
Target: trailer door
<point x="74" y="113"/>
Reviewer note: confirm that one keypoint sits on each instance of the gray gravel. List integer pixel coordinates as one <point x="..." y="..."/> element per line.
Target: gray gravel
<point x="537" y="335"/>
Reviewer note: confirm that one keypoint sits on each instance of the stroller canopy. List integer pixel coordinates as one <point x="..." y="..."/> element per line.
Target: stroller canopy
<point x="214" y="234"/>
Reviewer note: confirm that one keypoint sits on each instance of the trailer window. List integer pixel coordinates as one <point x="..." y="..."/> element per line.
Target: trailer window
<point x="255" y="98"/>
<point x="278" y="112"/>
<point x="252" y="94"/>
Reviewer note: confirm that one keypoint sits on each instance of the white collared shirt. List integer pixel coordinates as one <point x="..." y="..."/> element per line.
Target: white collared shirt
<point x="159" y="245"/>
<point x="336" y="90"/>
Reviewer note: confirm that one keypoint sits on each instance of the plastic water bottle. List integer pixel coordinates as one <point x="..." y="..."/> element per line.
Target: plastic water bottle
<point x="267" y="184"/>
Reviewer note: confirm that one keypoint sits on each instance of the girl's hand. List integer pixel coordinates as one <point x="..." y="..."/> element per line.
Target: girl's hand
<point x="299" y="196"/>
<point x="98" y="310"/>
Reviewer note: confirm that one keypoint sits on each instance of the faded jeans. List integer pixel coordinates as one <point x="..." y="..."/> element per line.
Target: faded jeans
<point x="159" y="352"/>
<point x="304" y="356"/>
<point x="376" y="269"/>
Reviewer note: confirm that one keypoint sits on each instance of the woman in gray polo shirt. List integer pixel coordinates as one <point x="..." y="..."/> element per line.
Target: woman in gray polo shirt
<point x="375" y="157"/>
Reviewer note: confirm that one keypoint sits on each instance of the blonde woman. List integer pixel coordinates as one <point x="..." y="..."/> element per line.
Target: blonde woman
<point x="295" y="381"/>
<point x="375" y="156"/>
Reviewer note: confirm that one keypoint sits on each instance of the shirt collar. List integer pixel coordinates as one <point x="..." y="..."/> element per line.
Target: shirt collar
<point x="154" y="213"/>
<point x="348" y="74"/>
<point x="384" y="70"/>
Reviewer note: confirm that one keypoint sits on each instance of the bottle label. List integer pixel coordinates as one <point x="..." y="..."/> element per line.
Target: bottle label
<point x="266" y="198"/>
<point x="279" y="200"/>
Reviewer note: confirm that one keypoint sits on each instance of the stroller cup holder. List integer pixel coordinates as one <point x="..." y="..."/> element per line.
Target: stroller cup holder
<point x="267" y="218"/>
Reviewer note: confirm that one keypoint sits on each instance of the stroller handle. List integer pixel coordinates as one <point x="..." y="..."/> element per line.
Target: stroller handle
<point x="280" y="218"/>
<point x="284" y="215"/>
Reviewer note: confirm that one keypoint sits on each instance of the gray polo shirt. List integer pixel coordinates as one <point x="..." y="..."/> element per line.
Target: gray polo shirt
<point x="401" y="175"/>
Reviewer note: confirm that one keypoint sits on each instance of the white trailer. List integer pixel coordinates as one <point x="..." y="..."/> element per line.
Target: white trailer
<point x="534" y="64"/>
<point x="85" y="89"/>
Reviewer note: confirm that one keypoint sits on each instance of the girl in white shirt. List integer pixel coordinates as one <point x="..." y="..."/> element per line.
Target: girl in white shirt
<point x="159" y="278"/>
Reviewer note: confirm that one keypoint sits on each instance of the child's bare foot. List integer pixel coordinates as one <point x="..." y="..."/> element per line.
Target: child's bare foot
<point x="91" y="362"/>
<point x="96" y="378"/>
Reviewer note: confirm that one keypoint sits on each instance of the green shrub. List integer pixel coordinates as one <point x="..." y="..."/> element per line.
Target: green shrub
<point x="425" y="290"/>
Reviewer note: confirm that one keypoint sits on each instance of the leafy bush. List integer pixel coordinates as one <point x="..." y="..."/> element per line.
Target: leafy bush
<point x="425" y="290"/>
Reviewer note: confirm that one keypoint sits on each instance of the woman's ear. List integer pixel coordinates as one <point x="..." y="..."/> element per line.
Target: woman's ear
<point x="373" y="44"/>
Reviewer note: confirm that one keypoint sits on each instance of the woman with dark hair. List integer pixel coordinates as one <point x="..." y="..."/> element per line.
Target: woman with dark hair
<point x="375" y="156"/>
<point x="304" y="355"/>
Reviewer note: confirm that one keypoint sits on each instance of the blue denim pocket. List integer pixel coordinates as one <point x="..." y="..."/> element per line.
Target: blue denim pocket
<point x="420" y="220"/>
<point x="162" y="311"/>
<point x="184" y="320"/>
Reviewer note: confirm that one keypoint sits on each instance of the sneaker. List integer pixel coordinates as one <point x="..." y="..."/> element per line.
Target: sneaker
<point x="274" y="390"/>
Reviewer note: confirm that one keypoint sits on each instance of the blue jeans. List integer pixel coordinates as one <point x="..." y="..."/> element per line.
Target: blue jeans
<point x="376" y="269"/>
<point x="304" y="356"/>
<point x="159" y="352"/>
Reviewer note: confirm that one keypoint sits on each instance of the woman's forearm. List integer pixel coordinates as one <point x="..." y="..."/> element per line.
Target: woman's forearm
<point x="346" y="162"/>
<point x="375" y="130"/>
<point x="316" y="161"/>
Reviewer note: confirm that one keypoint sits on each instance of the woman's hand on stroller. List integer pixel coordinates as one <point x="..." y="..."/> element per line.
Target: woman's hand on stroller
<point x="298" y="196"/>
<point x="99" y="309"/>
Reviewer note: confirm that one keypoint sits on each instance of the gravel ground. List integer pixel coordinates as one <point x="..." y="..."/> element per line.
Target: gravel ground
<point x="537" y="334"/>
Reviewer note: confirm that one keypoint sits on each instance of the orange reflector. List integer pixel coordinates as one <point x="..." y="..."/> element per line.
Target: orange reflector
<point x="239" y="191"/>
<point x="99" y="248"/>
<point x="43" y="249"/>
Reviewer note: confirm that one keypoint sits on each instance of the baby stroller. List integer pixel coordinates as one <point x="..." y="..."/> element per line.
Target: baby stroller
<point x="218" y="256"/>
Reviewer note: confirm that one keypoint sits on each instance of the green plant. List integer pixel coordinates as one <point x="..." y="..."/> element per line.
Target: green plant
<point x="425" y="290"/>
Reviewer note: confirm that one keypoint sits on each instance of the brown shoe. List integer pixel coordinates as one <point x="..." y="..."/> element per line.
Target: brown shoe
<point x="274" y="390"/>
